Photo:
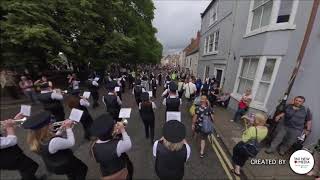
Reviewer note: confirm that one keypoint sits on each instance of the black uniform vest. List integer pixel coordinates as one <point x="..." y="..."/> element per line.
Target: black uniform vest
<point x="146" y="112"/>
<point x="170" y="164"/>
<point x="10" y="155"/>
<point x="49" y="104"/>
<point x="172" y="104"/>
<point x="137" y="92"/>
<point x="58" y="162"/>
<point x="106" y="155"/>
<point x="112" y="105"/>
<point x="86" y="117"/>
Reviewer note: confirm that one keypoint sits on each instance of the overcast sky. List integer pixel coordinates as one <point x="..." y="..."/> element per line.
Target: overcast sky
<point x="177" y="22"/>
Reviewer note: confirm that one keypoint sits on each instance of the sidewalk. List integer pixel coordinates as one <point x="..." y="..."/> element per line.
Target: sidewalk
<point x="230" y="134"/>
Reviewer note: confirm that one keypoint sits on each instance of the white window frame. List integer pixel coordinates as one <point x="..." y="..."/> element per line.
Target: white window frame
<point x="273" y="26"/>
<point x="207" y="41"/>
<point x="214" y="9"/>
<point x="261" y="65"/>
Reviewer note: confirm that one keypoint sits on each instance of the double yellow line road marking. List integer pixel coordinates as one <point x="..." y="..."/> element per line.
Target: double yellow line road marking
<point x="223" y="158"/>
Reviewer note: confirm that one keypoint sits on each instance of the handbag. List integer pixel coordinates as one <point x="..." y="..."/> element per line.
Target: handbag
<point x="252" y="146"/>
<point x="120" y="175"/>
<point x="207" y="125"/>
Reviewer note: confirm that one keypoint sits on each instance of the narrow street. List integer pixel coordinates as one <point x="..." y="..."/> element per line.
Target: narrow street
<point x="209" y="167"/>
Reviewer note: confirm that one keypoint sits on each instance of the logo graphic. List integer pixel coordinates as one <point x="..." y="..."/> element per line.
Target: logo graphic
<point x="301" y="162"/>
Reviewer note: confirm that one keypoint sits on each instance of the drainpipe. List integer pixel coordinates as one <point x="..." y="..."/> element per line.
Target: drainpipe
<point x="234" y="13"/>
<point x="305" y="42"/>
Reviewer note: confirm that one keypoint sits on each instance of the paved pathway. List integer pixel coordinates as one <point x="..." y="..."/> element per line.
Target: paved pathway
<point x="141" y="153"/>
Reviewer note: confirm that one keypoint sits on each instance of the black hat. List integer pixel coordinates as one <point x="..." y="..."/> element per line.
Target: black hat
<point x="37" y="121"/>
<point x="138" y="82"/>
<point x="145" y="96"/>
<point x="111" y="85"/>
<point x="173" y="86"/>
<point x="102" y="125"/>
<point x="174" y="131"/>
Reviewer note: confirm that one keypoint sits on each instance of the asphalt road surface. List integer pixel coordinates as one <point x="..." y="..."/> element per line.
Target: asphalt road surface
<point x="208" y="167"/>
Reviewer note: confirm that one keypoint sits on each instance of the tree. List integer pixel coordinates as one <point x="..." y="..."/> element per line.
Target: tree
<point x="99" y="31"/>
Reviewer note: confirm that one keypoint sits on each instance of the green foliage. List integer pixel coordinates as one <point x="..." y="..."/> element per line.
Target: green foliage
<point x="99" y="31"/>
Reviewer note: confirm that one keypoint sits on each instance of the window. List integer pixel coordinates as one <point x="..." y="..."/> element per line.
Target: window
<point x="190" y="61"/>
<point x="284" y="11"/>
<point x="247" y="75"/>
<point x="213" y="13"/>
<point x="258" y="74"/>
<point x="261" y="13"/>
<point x="267" y="15"/>
<point x="211" y="43"/>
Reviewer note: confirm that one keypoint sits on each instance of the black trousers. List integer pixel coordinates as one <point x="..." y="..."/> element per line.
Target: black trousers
<point x="138" y="100"/>
<point x="149" y="127"/>
<point x="76" y="170"/>
<point x="240" y="155"/>
<point x="26" y="166"/>
<point x="95" y="98"/>
<point x="154" y="93"/>
<point x="86" y="123"/>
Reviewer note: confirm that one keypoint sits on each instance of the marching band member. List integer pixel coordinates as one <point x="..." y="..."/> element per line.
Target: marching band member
<point x="54" y="149"/>
<point x="93" y="88"/>
<point x="171" y="151"/>
<point x="109" y="151"/>
<point x="146" y="108"/>
<point x="11" y="156"/>
<point x="172" y="102"/>
<point x="112" y="101"/>
<point x="153" y="85"/>
<point x="51" y="101"/>
<point x="86" y="119"/>
<point x="137" y="91"/>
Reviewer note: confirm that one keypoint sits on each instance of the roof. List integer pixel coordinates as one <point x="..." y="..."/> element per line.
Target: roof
<point x="208" y="7"/>
<point x="193" y="46"/>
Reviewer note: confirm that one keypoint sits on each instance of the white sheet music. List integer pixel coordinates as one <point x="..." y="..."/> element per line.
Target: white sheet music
<point x="86" y="94"/>
<point x="25" y="110"/>
<point x="172" y="115"/>
<point x="150" y="93"/>
<point x="75" y="115"/>
<point x="125" y="113"/>
<point x="117" y="89"/>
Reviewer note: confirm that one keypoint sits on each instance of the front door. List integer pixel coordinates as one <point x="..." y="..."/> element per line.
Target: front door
<point x="219" y="76"/>
<point x="206" y="72"/>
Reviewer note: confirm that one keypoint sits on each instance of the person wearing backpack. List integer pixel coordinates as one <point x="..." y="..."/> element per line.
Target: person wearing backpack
<point x="112" y="101"/>
<point x="137" y="91"/>
<point x="250" y="144"/>
<point x="202" y="122"/>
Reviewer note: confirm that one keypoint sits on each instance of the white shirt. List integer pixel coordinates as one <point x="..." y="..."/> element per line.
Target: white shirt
<point x="189" y="88"/>
<point x="155" y="145"/>
<point x="84" y="102"/>
<point x="123" y="145"/>
<point x="59" y="143"/>
<point x="8" y="141"/>
<point x="56" y="96"/>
